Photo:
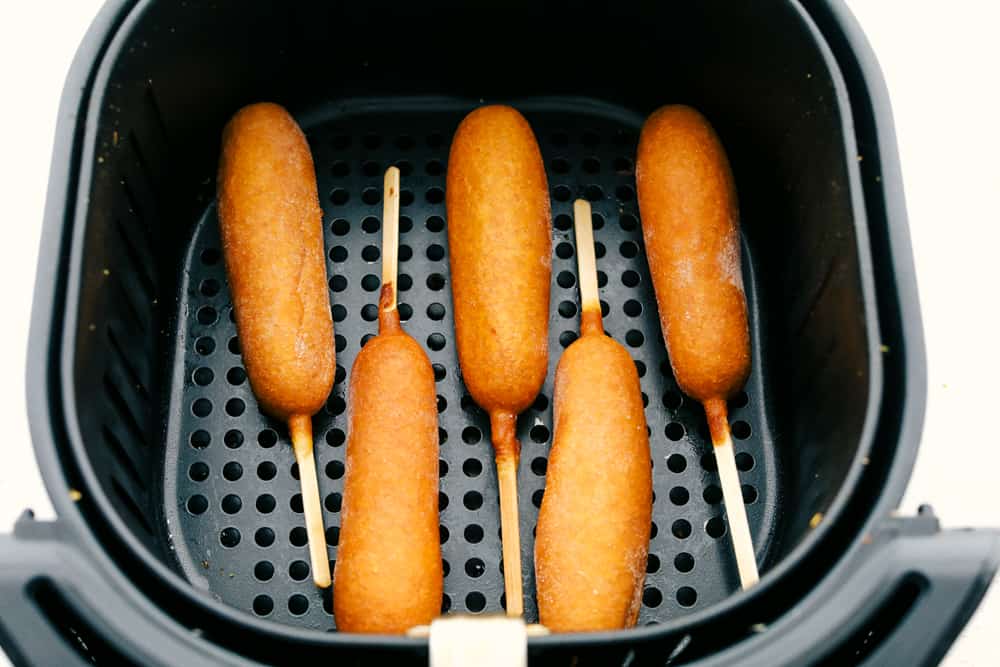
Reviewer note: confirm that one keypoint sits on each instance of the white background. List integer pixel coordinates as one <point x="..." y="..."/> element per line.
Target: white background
<point x="940" y="60"/>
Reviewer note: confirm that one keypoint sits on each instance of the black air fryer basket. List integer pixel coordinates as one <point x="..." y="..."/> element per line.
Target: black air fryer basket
<point x="180" y="535"/>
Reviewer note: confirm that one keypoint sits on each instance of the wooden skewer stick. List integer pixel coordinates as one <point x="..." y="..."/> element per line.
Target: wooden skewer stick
<point x="390" y="240"/>
<point x="732" y="493"/>
<point x="590" y="303"/>
<point x="300" y="427"/>
<point x="510" y="532"/>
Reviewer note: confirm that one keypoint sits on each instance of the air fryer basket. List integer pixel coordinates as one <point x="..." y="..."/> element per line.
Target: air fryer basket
<point x="180" y="539"/>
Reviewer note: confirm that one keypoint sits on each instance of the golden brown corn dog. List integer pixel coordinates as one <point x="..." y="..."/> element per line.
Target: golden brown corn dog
<point x="388" y="575"/>
<point x="500" y="245"/>
<point x="590" y="566"/>
<point x="272" y="239"/>
<point x="690" y="223"/>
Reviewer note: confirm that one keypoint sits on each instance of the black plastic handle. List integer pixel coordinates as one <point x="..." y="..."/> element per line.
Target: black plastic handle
<point x="902" y="601"/>
<point x="57" y="609"/>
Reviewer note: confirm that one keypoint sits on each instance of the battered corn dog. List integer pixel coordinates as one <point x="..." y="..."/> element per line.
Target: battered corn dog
<point x="388" y="576"/>
<point x="500" y="252"/>
<point x="690" y="224"/>
<point x="272" y="239"/>
<point x="590" y="565"/>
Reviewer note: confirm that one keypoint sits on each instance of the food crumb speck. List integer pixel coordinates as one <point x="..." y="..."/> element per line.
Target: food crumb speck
<point x="816" y="518"/>
<point x="75" y="495"/>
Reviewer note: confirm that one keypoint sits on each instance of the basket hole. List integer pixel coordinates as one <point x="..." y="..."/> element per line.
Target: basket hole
<point x="539" y="466"/>
<point x="628" y="223"/>
<point x="744" y="462"/>
<point x="435" y="311"/>
<point x="599" y="250"/>
<point x="298" y="537"/>
<point x="370" y="253"/>
<point x="672" y="400"/>
<point x="435" y="252"/>
<point x="472" y="467"/>
<point x="652" y="597"/>
<point x="749" y="494"/>
<point x="564" y="250"/>
<point x="369" y="225"/>
<point x="263" y="605"/>
<point x="640" y="368"/>
<point x="443" y="533"/>
<point x="566" y="279"/>
<point x="435" y="223"/>
<point x="679" y="495"/>
<point x="628" y="249"/>
<point x="263" y="570"/>
<point x="338" y="283"/>
<point x="236" y="376"/>
<point x="674" y="431"/>
<point x="197" y="504"/>
<point x="624" y="193"/>
<point x="474" y="533"/>
<point x="267" y="470"/>
<point x="405" y="253"/>
<point x="537" y="496"/>
<point x="232" y="471"/>
<point x="434" y="168"/>
<point x="681" y="529"/>
<point x="210" y="256"/>
<point x="229" y="537"/>
<point x="339" y="196"/>
<point x="339" y="313"/>
<point x="341" y="227"/>
<point x="233" y="439"/>
<point x="333" y="502"/>
<point x="235" y="407"/>
<point x="684" y="562"/>
<point x="630" y="278"/>
<point x="445" y="604"/>
<point x="264" y="537"/>
<point x="712" y="494"/>
<point x="715" y="527"/>
<point x="442" y="404"/>
<point x="405" y="142"/>
<point x="739" y="400"/>
<point x="593" y="193"/>
<point x="200" y="439"/>
<point x="634" y="338"/>
<point x="475" y="568"/>
<point x="405" y="312"/>
<point x="559" y="165"/>
<point x="295" y="503"/>
<point x="541" y="403"/>
<point x="566" y="338"/>
<point x="709" y="463"/>
<point x="741" y="430"/>
<point x="267" y="438"/>
<point x="539" y="433"/>
<point x="231" y="504"/>
<point x="336" y="405"/>
<point x="434" y="195"/>
<point x="334" y="469"/>
<point x="623" y="165"/>
<point x="471" y="435"/>
<point x="442" y="436"/>
<point x="405" y="223"/>
<point x="298" y="604"/>
<point x="602" y="279"/>
<point x="561" y="193"/>
<point x="339" y="343"/>
<point x="652" y="563"/>
<point x="563" y="222"/>
<point x="405" y="282"/>
<point x="370" y="282"/>
<point x="339" y="374"/>
<point x="653" y="531"/>
<point x="591" y="165"/>
<point x="207" y="315"/>
<point x="405" y="168"/>
<point x="436" y="342"/>
<point x="475" y="602"/>
<point x="298" y="570"/>
<point x="440" y="372"/>
<point x="266" y="503"/>
<point x="445" y="567"/>
<point x="435" y="281"/>
<point x="472" y="500"/>
<point x="443" y="501"/>
<point x="686" y="596"/>
<point x="340" y="169"/>
<point x="369" y="312"/>
<point x="209" y="287"/>
<point x="204" y="346"/>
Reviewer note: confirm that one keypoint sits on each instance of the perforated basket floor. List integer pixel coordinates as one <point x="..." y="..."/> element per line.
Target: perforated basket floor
<point x="233" y="509"/>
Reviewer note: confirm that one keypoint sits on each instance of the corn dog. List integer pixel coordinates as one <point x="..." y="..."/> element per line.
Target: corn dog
<point x="690" y="224"/>
<point x="388" y="575"/>
<point x="500" y="245"/>
<point x="272" y="239"/>
<point x="590" y="565"/>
